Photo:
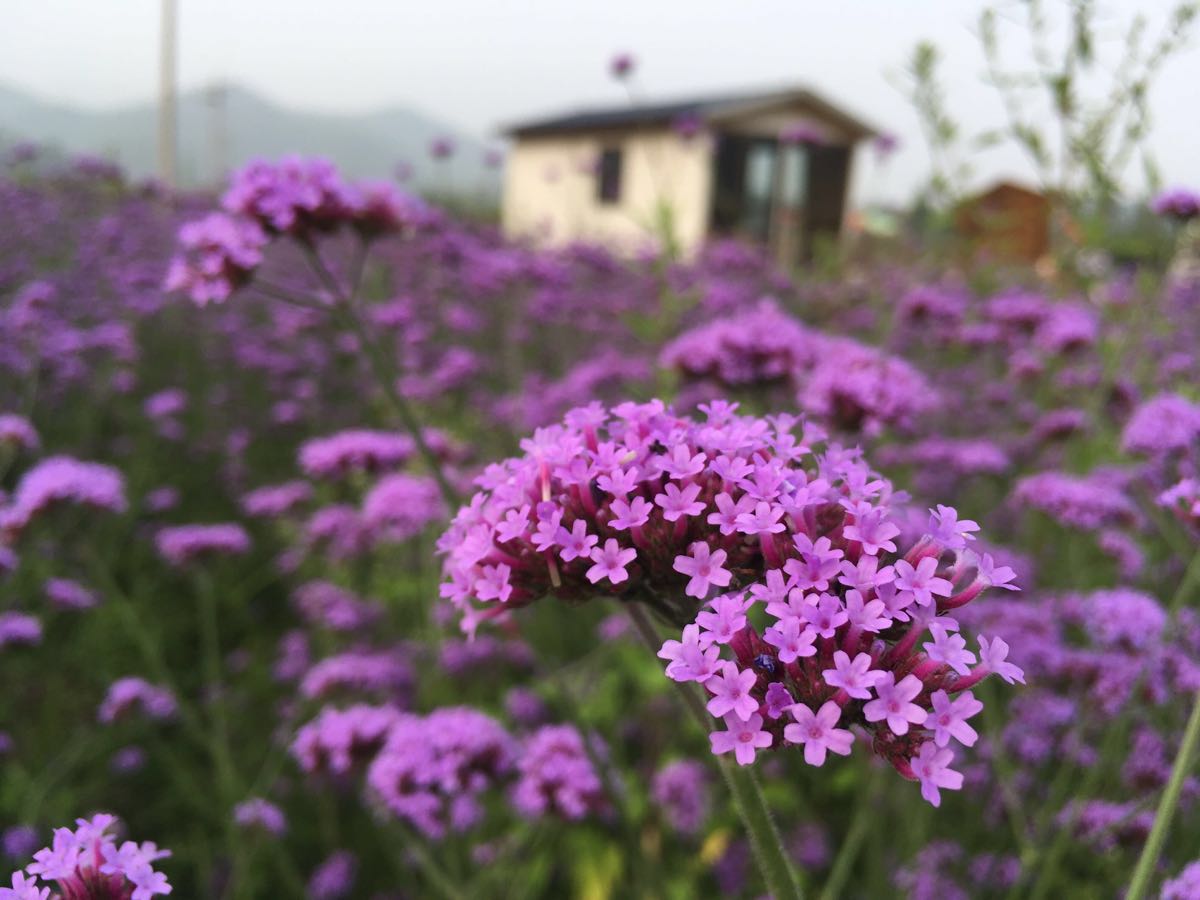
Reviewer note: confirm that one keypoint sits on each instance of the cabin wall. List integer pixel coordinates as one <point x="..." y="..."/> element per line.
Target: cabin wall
<point x="551" y="189"/>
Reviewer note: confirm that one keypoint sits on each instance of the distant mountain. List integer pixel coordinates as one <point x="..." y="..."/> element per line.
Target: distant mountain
<point x="242" y="125"/>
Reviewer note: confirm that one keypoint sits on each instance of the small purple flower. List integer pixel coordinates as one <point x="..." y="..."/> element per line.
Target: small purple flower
<point x="745" y="737"/>
<point x="931" y="766"/>
<point x="731" y="692"/>
<point x="704" y="568"/>
<point x="948" y="718"/>
<point x="854" y="676"/>
<point x="817" y="733"/>
<point x="893" y="703"/>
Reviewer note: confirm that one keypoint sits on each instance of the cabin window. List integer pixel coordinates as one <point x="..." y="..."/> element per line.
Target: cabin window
<point x="608" y="180"/>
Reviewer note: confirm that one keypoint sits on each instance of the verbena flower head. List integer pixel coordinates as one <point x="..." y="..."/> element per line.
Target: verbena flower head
<point x="217" y="255"/>
<point x="621" y="66"/>
<point x="296" y="196"/>
<point x="681" y="790"/>
<point x="327" y="605"/>
<point x="181" y="545"/>
<point x="1163" y="424"/>
<point x="66" y="594"/>
<point x="339" y="741"/>
<point x="731" y="519"/>
<point x="273" y="501"/>
<point x="400" y="506"/>
<point x="19" y="628"/>
<point x="1177" y="203"/>
<point x="87" y="863"/>
<point x="63" y="480"/>
<point x="262" y="814"/>
<point x="334" y="878"/>
<point x="385" y="672"/>
<point x="1185" y="885"/>
<point x="17" y="431"/>
<point x="357" y="450"/>
<point x="126" y="694"/>
<point x="432" y="769"/>
<point x="557" y="776"/>
<point x="1088" y="503"/>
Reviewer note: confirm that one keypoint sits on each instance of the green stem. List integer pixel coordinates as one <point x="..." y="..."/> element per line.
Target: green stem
<point x="1144" y="871"/>
<point x="769" y="853"/>
<point x="852" y="843"/>
<point x="387" y="382"/>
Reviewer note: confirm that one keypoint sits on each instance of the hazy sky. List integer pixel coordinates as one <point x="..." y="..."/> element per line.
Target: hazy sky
<point x="481" y="63"/>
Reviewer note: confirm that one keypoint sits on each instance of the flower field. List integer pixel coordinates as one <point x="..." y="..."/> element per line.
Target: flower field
<point x="348" y="549"/>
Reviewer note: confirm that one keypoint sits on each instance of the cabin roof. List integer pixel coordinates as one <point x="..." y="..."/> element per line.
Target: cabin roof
<point x="709" y="108"/>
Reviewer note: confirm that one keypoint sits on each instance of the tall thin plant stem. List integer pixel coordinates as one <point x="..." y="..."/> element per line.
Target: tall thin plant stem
<point x="1143" y="872"/>
<point x="769" y="853"/>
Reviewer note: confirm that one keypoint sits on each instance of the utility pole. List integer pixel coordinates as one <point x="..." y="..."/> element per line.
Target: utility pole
<point x="167" y="124"/>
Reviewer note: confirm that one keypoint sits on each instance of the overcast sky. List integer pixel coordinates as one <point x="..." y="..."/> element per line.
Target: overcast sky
<point x="480" y="63"/>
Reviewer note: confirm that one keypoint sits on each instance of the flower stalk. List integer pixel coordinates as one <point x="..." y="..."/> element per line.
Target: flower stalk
<point x="769" y="853"/>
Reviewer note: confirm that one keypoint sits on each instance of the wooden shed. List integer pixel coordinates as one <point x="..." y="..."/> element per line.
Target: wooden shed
<point x="771" y="167"/>
<point x="1006" y="223"/>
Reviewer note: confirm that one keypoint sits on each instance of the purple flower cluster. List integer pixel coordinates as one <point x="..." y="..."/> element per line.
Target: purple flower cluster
<point x="1087" y="502"/>
<point x="126" y="694"/>
<point x="19" y="628"/>
<point x="432" y="769"/>
<point x="327" y="605"/>
<point x="262" y="814"/>
<point x="276" y="500"/>
<point x="1164" y="424"/>
<point x="759" y="347"/>
<point x="385" y="672"/>
<point x="58" y="480"/>
<point x="182" y="545"/>
<point x="557" y="776"/>
<point x="1177" y="203"/>
<point x="218" y="254"/>
<point x="339" y="741"/>
<point x="359" y="450"/>
<point x="17" y="431"/>
<point x="401" y="506"/>
<point x="87" y="863"/>
<point x="66" y="594"/>
<point x="838" y="380"/>
<point x="681" y="791"/>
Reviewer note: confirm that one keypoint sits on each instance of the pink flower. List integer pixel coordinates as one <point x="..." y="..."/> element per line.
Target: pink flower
<point x="728" y="512"/>
<point x="633" y="514"/>
<point x="610" y="562"/>
<point x="992" y="656"/>
<point x="932" y="768"/>
<point x="704" y="567"/>
<point x="817" y="733"/>
<point x="744" y="738"/>
<point x="950" y="649"/>
<point x="948" y="718"/>
<point x="576" y="543"/>
<point x="690" y="659"/>
<point x="676" y="503"/>
<point x="825" y="616"/>
<point x="791" y="638"/>
<point x="854" y="676"/>
<point x="493" y="584"/>
<point x="726" y="618"/>
<point x="894" y="703"/>
<point x="948" y="529"/>
<point x="731" y="692"/>
<point x="921" y="581"/>
<point x="873" y="531"/>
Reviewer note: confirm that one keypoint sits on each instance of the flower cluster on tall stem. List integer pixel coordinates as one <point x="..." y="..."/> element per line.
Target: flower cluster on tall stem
<point x="715" y="523"/>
